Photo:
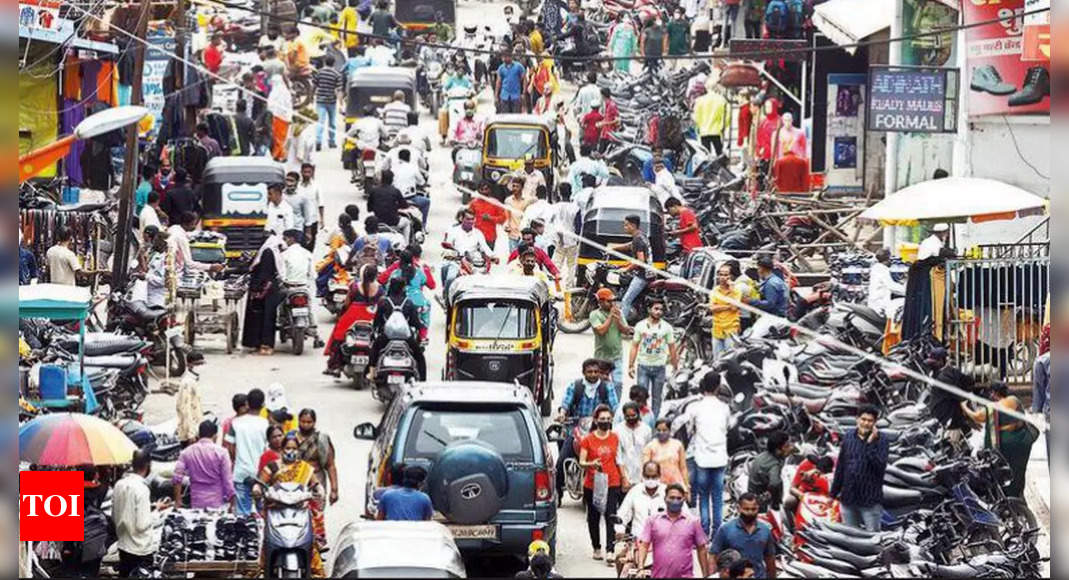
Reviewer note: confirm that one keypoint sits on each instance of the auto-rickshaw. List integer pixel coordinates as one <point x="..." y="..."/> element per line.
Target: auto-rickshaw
<point x="500" y="328"/>
<point x="375" y="85"/>
<point x="234" y="199"/>
<point x="510" y="138"/>
<point x="418" y="15"/>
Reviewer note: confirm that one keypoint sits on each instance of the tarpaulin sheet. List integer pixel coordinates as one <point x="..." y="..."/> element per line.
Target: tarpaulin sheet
<point x="38" y="120"/>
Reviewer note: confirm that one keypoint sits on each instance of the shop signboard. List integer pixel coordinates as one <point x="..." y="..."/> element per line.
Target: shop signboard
<point x="912" y="99"/>
<point x="157" y="56"/>
<point x="1036" y="31"/>
<point x="1001" y="80"/>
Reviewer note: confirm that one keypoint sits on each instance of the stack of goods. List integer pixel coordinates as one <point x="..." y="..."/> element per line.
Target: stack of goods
<point x="195" y="535"/>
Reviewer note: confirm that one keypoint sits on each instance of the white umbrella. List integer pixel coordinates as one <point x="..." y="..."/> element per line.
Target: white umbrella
<point x="955" y="199"/>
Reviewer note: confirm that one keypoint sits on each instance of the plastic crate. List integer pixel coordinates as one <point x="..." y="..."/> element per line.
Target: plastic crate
<point x="71" y="195"/>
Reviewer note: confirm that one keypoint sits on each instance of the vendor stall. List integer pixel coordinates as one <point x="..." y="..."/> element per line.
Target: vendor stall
<point x="63" y="386"/>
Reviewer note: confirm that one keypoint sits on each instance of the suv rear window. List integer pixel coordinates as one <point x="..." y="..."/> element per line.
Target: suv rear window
<point x="504" y="428"/>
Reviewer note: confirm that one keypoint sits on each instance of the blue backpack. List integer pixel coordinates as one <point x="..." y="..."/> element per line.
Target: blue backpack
<point x="777" y="17"/>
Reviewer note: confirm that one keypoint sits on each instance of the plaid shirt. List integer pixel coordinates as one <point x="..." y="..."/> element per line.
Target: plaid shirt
<point x="586" y="404"/>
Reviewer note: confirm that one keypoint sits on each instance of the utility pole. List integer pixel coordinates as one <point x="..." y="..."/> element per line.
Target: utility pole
<point x="189" y="118"/>
<point x="121" y="253"/>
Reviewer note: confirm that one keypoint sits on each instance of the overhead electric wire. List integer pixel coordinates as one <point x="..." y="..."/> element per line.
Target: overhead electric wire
<point x="751" y="55"/>
<point x="823" y="338"/>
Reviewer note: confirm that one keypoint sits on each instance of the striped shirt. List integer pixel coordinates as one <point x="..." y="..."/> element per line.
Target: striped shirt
<point x="327" y="82"/>
<point x="858" y="480"/>
<point x="395" y="116"/>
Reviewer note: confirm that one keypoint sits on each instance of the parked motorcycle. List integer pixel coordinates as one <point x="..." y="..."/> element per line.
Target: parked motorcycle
<point x="156" y="325"/>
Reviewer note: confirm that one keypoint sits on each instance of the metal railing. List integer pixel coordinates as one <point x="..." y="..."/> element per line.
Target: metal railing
<point x="994" y="312"/>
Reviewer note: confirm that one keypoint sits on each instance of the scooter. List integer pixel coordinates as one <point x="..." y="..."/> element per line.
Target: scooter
<point x="466" y="169"/>
<point x="338" y="284"/>
<point x="294" y="317"/>
<point x="395" y="368"/>
<point x="356" y="351"/>
<point x="288" y="535"/>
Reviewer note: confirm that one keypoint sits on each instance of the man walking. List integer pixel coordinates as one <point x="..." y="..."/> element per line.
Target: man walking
<point x="246" y="442"/>
<point x="750" y="537"/>
<point x="653" y="347"/>
<point x="407" y="502"/>
<point x="609" y="326"/>
<point x="208" y="466"/>
<point x="708" y="419"/>
<point x="673" y="537"/>
<point x="313" y="209"/>
<point x="633" y="435"/>
<point x="562" y="223"/>
<point x="328" y="83"/>
<point x="134" y="521"/>
<point x="858" y="481"/>
<point x="510" y="89"/>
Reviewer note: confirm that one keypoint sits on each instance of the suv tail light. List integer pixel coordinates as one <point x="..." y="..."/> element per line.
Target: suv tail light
<point x="543" y="491"/>
<point x="299" y="300"/>
<point x="367" y="154"/>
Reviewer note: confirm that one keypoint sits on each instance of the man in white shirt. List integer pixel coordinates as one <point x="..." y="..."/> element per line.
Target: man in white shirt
<point x="149" y="215"/>
<point x="586" y="96"/>
<point x="279" y="214"/>
<point x="246" y="441"/>
<point x="933" y="244"/>
<point x="404" y="143"/>
<point x="561" y="223"/>
<point x="379" y="54"/>
<point x="299" y="274"/>
<point x="540" y="209"/>
<point x="131" y="510"/>
<point x="178" y="238"/>
<point x="369" y="131"/>
<point x="644" y="500"/>
<point x="708" y="418"/>
<point x="463" y="238"/>
<point x="63" y="264"/>
<point x="664" y="184"/>
<point x="293" y="197"/>
<point x="532" y="178"/>
<point x="408" y="179"/>
<point x="881" y="285"/>
<point x="633" y="434"/>
<point x="589" y="163"/>
<point x="313" y="205"/>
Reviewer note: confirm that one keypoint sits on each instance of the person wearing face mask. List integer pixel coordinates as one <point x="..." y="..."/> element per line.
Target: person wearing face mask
<point x="634" y="435"/>
<point x="673" y="537"/>
<point x="597" y="453"/>
<point x="752" y="538"/>
<point x="643" y="501"/>
<point x="540" y="563"/>
<point x="580" y="399"/>
<point x="640" y="396"/>
<point x="290" y="468"/>
<point x="669" y="453"/>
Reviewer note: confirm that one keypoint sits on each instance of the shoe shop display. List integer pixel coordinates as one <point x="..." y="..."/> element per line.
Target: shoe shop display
<point x="986" y="79"/>
<point x="193" y="535"/>
<point x="1036" y="86"/>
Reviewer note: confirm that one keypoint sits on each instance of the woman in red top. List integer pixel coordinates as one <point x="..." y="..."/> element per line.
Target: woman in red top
<point x="597" y="453"/>
<point x="364" y="294"/>
<point x="275" y="436"/>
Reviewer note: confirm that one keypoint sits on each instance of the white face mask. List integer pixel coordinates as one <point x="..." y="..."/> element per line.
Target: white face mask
<point x="651" y="484"/>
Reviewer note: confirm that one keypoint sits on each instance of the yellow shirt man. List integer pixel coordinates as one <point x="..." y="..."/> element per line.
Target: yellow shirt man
<point x="710" y="114"/>
<point x="347" y="20"/>
<point x="727" y="321"/>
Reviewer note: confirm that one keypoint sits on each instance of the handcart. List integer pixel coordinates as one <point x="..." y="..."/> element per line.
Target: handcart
<point x="212" y="306"/>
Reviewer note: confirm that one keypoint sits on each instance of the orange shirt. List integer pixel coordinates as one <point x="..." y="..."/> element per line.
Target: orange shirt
<point x="488" y="227"/>
<point x="604" y="450"/>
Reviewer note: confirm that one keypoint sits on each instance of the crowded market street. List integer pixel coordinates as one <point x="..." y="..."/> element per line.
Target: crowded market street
<point x="562" y="288"/>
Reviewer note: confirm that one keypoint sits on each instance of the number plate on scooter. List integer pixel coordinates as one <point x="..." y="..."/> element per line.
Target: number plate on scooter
<point x="613" y="278"/>
<point x="395" y="379"/>
<point x="299" y="311"/>
<point x="339" y="298"/>
<point x="466" y="176"/>
<point x="358" y="360"/>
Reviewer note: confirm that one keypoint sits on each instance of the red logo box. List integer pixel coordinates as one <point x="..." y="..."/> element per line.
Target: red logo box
<point x="51" y="506"/>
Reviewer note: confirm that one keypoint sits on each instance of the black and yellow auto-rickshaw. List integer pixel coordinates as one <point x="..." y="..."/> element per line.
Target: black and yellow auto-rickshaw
<point x="418" y="15"/>
<point x="375" y="86"/>
<point x="499" y="329"/>
<point x="234" y="199"/>
<point x="509" y="139"/>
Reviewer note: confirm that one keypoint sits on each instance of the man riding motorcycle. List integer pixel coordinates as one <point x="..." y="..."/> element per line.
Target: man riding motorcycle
<point x="463" y="239"/>
<point x="396" y="299"/>
<point x="467" y="132"/>
<point x="368" y="132"/>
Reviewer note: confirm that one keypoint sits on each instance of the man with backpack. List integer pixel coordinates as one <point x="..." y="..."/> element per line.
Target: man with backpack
<point x="397" y="318"/>
<point x="371" y="248"/>
<point x="580" y="399"/>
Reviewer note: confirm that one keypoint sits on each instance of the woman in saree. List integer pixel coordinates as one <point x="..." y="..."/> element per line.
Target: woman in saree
<point x="364" y="294"/>
<point x="290" y="468"/>
<point x="261" y="308"/>
<point x="1010" y="436"/>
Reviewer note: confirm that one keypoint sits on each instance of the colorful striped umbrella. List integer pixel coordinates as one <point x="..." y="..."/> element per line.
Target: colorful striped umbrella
<point x="71" y="439"/>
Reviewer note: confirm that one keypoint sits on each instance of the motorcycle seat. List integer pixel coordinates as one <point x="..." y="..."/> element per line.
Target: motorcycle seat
<point x="102" y="343"/>
<point x="667" y="286"/>
<point x="813" y="406"/>
<point x="934" y="570"/>
<point x="143" y="311"/>
<point x="857" y="561"/>
<point x="117" y="361"/>
<point x="844" y="529"/>
<point x="821" y="558"/>
<point x="870" y="315"/>
<point x="897" y="496"/>
<point x="808" y="391"/>
<point x="813" y="570"/>
<point x="862" y="546"/>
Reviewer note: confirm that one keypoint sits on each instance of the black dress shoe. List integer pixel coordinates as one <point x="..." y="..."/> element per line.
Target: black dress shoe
<point x="986" y="79"/>
<point x="1036" y="86"/>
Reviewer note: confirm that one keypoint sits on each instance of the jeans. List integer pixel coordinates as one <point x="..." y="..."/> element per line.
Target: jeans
<point x="242" y="498"/>
<point x="594" y="517"/>
<point x="709" y="485"/>
<point x="637" y="285"/>
<point x="653" y="379"/>
<point x="713" y="143"/>
<point x="692" y="471"/>
<point x="867" y="518"/>
<point x="567" y="449"/>
<point x="328" y="116"/>
<point x="731" y="14"/>
<point x="423" y="203"/>
<point x="753" y="28"/>
<point x="722" y="344"/>
<point x="618" y="376"/>
<point x="509" y="106"/>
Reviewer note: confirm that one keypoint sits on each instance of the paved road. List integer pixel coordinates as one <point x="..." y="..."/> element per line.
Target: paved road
<point x="340" y="407"/>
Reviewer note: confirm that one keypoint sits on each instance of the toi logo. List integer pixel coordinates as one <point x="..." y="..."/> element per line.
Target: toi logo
<point x="51" y="506"/>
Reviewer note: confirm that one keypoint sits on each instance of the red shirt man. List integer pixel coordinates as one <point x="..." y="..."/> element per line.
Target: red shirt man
<point x="487" y="217"/>
<point x="213" y="55"/>
<point x="591" y="130"/>
<point x="689" y="230"/>
<point x="791" y="174"/>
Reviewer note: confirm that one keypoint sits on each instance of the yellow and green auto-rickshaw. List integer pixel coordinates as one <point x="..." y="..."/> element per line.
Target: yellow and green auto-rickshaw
<point x="509" y="139"/>
<point x="234" y="200"/>
<point x="501" y="328"/>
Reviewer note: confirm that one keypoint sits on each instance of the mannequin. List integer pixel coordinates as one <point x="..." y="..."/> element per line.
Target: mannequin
<point x="767" y="129"/>
<point x="790" y="138"/>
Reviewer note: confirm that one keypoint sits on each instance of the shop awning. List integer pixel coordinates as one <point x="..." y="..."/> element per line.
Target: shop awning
<point x="850" y="21"/>
<point x="62" y="34"/>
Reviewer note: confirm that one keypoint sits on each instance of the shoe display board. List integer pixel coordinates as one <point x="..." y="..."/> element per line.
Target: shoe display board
<point x="1000" y="80"/>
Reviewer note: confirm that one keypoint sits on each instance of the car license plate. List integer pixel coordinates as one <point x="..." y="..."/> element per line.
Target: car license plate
<point x="358" y="359"/>
<point x="484" y="532"/>
<point x="174" y="331"/>
<point x="339" y="298"/>
<point x="303" y="311"/>
<point x="395" y="379"/>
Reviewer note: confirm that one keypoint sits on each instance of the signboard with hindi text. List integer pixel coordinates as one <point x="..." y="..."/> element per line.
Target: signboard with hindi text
<point x="912" y="99"/>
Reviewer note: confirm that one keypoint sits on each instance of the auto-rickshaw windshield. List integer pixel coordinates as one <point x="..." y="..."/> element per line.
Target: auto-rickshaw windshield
<point x="496" y="320"/>
<point x="515" y="143"/>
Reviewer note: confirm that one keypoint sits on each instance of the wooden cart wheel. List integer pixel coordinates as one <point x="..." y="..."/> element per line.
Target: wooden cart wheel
<point x="230" y="330"/>
<point x="191" y="327"/>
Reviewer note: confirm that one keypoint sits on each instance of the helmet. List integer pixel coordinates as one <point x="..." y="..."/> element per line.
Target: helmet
<point x="536" y="547"/>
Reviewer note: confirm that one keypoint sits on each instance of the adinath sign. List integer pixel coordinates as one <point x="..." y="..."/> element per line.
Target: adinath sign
<point x="912" y="99"/>
<point x="1005" y="77"/>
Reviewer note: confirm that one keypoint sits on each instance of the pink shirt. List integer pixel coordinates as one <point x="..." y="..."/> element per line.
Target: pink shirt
<point x="209" y="470"/>
<point x="467" y="131"/>
<point x="673" y="543"/>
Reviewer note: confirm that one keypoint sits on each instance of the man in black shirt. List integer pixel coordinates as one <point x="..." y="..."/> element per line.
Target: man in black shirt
<point x="639" y="248"/>
<point x="180" y="199"/>
<point x="382" y="20"/>
<point x="245" y="128"/>
<point x="944" y="405"/>
<point x="386" y="201"/>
